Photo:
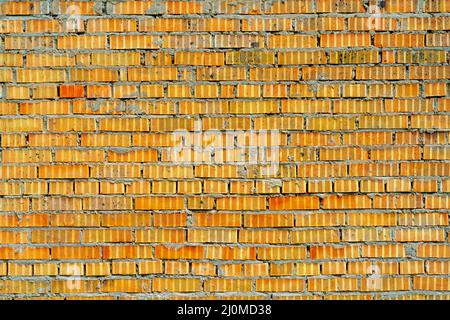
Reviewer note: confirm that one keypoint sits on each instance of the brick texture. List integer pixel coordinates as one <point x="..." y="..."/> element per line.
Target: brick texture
<point x="266" y="149"/>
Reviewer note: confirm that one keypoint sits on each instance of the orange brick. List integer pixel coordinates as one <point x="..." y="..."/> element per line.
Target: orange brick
<point x="71" y="91"/>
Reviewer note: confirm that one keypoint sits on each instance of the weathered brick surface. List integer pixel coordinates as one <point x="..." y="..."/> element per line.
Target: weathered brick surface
<point x="217" y="148"/>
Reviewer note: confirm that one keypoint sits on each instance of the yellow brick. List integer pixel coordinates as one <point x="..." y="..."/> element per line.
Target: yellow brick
<point x="274" y="74"/>
<point x="335" y="284"/>
<point x="213" y="24"/>
<point x="328" y="123"/>
<point x="45" y="107"/>
<point x="15" y="92"/>
<point x="150" y="267"/>
<point x="104" y="75"/>
<point x="163" y="25"/>
<point x="231" y="270"/>
<point x="251" y="57"/>
<point x="260" y="269"/>
<point x="126" y="285"/>
<point x="345" y="40"/>
<point x="28" y="43"/>
<point x="399" y="40"/>
<point x="111" y="25"/>
<point x="226" y="285"/>
<point x="152" y="74"/>
<point x="23" y="286"/>
<point x="203" y="268"/>
<point x="186" y="41"/>
<point x="11" y="59"/>
<point x="123" y="267"/>
<point x="199" y="58"/>
<point x="336" y="5"/>
<point x="176" y="284"/>
<point x="20" y="125"/>
<point x="327" y="73"/>
<point x="383" y="122"/>
<point x="354" y="57"/>
<point x="134" y="42"/>
<point x="45" y="269"/>
<point x="394" y="284"/>
<point x="333" y="268"/>
<point x="292" y="41"/>
<point x="238" y="41"/>
<point x="116" y="59"/>
<point x="97" y="269"/>
<point x="176" y="267"/>
<point x="18" y="269"/>
<point x="82" y="42"/>
<point x="435" y="89"/>
<point x="280" y="285"/>
<point x="45" y="92"/>
<point x="35" y="26"/>
<point x="380" y="73"/>
<point x="71" y="124"/>
<point x="33" y="75"/>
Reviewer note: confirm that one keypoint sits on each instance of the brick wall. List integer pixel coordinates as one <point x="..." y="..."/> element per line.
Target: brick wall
<point x="213" y="149"/>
